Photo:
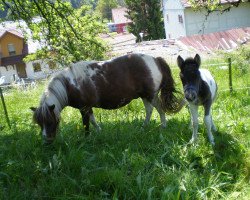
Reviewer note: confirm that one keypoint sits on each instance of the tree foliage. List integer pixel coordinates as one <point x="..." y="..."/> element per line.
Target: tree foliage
<point x="67" y="34"/>
<point x="146" y="16"/>
<point x="104" y="8"/>
<point x="211" y="6"/>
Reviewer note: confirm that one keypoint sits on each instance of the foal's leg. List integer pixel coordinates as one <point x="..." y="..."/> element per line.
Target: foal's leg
<point x="213" y="126"/>
<point x="149" y="109"/>
<point x="194" y="115"/>
<point x="209" y="122"/>
<point x="156" y="103"/>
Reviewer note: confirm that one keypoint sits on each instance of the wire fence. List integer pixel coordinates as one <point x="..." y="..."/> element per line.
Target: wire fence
<point x="222" y="65"/>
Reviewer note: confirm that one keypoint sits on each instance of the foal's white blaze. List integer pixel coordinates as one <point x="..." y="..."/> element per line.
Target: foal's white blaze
<point x="156" y="74"/>
<point x="208" y="78"/>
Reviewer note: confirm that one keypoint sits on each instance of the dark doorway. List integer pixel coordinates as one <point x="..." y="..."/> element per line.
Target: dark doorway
<point x="21" y="70"/>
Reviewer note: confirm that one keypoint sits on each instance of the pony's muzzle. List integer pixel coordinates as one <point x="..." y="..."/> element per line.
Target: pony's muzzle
<point x="190" y="95"/>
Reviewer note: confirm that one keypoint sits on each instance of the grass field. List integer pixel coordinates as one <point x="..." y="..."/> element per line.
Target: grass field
<point x="124" y="160"/>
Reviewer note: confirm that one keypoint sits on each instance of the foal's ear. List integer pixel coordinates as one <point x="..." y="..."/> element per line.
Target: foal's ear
<point x="197" y="58"/>
<point x="52" y="107"/>
<point x="180" y="62"/>
<point x="33" y="109"/>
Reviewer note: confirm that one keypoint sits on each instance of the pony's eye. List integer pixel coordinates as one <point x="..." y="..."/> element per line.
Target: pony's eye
<point x="181" y="75"/>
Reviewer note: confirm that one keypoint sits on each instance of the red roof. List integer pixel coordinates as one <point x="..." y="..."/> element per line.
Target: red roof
<point x="186" y="3"/>
<point x="119" y="15"/>
<point x="220" y="40"/>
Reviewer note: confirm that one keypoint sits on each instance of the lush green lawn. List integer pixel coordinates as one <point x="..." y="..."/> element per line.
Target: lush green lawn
<point x="125" y="161"/>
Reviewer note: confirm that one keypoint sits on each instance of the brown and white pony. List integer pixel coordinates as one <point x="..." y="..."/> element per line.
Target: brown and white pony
<point x="108" y="85"/>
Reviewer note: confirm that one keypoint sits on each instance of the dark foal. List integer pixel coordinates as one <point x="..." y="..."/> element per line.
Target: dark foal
<point x="199" y="89"/>
<point x="109" y="85"/>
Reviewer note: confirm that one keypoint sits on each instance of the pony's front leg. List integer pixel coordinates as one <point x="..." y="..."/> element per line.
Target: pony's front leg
<point x="208" y="123"/>
<point x="213" y="126"/>
<point x="195" y="122"/>
<point x="85" y="119"/>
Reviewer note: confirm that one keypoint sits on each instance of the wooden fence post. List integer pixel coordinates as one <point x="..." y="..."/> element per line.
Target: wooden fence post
<point x="4" y="108"/>
<point x="230" y="75"/>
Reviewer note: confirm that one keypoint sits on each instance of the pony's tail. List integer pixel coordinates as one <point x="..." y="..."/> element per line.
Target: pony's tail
<point x="172" y="100"/>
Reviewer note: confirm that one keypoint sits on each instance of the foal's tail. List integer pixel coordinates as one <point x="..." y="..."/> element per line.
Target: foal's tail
<point x="172" y="100"/>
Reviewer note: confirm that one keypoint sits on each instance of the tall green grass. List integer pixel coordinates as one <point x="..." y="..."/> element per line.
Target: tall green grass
<point x="124" y="160"/>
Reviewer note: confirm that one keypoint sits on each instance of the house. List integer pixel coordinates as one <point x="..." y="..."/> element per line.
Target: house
<point x="13" y="49"/>
<point x="120" y="21"/>
<point x="180" y="19"/>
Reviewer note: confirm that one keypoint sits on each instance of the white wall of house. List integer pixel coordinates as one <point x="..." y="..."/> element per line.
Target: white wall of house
<point x="194" y="21"/>
<point x="8" y="72"/>
<point x="236" y="18"/>
<point x="30" y="71"/>
<point x="172" y="9"/>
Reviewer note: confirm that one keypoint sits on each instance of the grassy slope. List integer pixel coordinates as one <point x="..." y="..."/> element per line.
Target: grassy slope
<point x="125" y="161"/>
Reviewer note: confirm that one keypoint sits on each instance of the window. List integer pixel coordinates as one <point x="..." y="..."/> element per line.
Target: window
<point x="180" y="19"/>
<point x="167" y="18"/>
<point x="37" y="67"/>
<point x="52" y="64"/>
<point x="11" y="49"/>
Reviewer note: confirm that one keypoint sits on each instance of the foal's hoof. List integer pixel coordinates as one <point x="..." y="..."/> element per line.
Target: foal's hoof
<point x="192" y="141"/>
<point x="212" y="143"/>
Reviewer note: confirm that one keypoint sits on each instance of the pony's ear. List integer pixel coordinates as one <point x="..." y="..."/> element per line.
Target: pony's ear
<point x="180" y="62"/>
<point x="52" y="107"/>
<point x="197" y="58"/>
<point x="33" y="109"/>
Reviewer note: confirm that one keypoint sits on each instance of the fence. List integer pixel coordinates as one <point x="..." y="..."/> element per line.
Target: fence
<point x="227" y="64"/>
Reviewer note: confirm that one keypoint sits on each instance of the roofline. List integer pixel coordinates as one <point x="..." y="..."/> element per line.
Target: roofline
<point x="7" y="31"/>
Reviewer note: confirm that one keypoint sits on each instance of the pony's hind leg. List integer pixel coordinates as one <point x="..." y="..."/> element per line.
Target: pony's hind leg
<point x="149" y="109"/>
<point x="93" y="122"/>
<point x="195" y="122"/>
<point x="156" y="103"/>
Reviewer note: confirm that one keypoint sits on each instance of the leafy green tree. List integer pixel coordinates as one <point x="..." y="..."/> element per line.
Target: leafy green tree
<point x="146" y="16"/>
<point x="79" y="3"/>
<point x="104" y="8"/>
<point x="67" y="34"/>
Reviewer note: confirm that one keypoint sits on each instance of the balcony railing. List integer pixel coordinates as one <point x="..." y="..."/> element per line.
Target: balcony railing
<point x="12" y="60"/>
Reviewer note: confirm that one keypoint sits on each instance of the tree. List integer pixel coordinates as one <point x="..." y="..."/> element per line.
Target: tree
<point x="146" y="16"/>
<point x="212" y="6"/>
<point x="67" y="34"/>
<point x="79" y="3"/>
<point x="104" y="8"/>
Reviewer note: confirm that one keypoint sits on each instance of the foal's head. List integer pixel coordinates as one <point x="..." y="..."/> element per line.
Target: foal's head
<point x="190" y="76"/>
<point x="45" y="117"/>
